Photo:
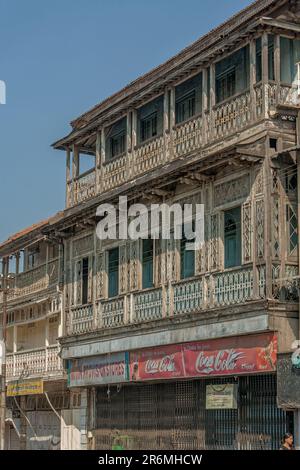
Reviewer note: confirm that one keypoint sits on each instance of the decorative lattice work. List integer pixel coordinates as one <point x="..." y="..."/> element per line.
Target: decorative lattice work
<point x="100" y="276"/>
<point x="123" y="268"/>
<point x="260" y="228"/>
<point x="111" y="312"/>
<point x="233" y="287"/>
<point x="188" y="296"/>
<point x="83" y="245"/>
<point x="148" y="305"/>
<point x="275" y="231"/>
<point x="214" y="241"/>
<point x="247" y="232"/>
<point x="232" y="190"/>
<point x="292" y="226"/>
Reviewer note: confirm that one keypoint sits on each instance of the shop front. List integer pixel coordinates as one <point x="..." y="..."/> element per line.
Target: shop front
<point x="218" y="394"/>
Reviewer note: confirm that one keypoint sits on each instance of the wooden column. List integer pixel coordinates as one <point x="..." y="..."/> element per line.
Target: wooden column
<point x="172" y="108"/>
<point x="75" y="173"/>
<point x="128" y="144"/>
<point x="204" y="104"/>
<point x="98" y="166"/>
<point x="298" y="213"/>
<point x="212" y="93"/>
<point x="268" y="219"/>
<point x="68" y="178"/>
<point x="265" y="74"/>
<point x="277" y="64"/>
<point x="253" y="78"/>
<point x="17" y="256"/>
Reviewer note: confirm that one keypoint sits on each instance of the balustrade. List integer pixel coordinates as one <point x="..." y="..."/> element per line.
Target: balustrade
<point x="33" y="363"/>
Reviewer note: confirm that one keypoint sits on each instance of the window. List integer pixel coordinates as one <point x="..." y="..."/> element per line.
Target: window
<point x="258" y="60"/>
<point x="188" y="98"/>
<point x="232" y="74"/>
<point x="32" y="259"/>
<point x="115" y="143"/>
<point x="85" y="280"/>
<point x="150" y="120"/>
<point x="113" y="272"/>
<point x="232" y="237"/>
<point x="289" y="57"/>
<point x="149" y="127"/>
<point x="147" y="280"/>
<point x="291" y="217"/>
<point x="187" y="257"/>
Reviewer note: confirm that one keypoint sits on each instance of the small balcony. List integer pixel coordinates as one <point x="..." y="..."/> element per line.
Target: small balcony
<point x="41" y="362"/>
<point x="34" y="280"/>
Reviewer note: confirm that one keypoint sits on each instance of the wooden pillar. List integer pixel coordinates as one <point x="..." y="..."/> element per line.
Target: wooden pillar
<point x="212" y="93"/>
<point x="268" y="219"/>
<point x="277" y="65"/>
<point x="253" y="78"/>
<point x="204" y="104"/>
<point x="265" y="74"/>
<point x="172" y="108"/>
<point x="68" y="177"/>
<point x="166" y="110"/>
<point x="98" y="166"/>
<point x="128" y="144"/>
<point x="17" y="256"/>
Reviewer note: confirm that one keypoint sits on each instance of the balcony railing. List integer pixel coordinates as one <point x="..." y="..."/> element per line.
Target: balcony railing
<point x="34" y="363"/>
<point x="35" y="279"/>
<point x="85" y="186"/>
<point x="188" y="296"/>
<point x="223" y="120"/>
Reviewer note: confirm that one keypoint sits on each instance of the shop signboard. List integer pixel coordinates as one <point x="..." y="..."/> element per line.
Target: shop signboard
<point x="98" y="370"/>
<point x="25" y="387"/>
<point x="219" y="357"/>
<point x="221" y="396"/>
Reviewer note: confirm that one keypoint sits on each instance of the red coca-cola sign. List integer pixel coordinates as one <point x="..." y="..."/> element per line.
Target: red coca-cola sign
<point x="226" y="356"/>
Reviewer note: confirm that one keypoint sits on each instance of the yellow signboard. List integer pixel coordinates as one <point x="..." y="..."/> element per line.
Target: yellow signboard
<point x="28" y="387"/>
<point x="222" y="396"/>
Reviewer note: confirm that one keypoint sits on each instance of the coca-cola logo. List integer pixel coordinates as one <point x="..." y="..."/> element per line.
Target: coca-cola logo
<point x="224" y="360"/>
<point x="164" y="364"/>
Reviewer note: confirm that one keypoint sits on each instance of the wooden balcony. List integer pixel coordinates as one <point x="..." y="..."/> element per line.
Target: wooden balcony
<point x="194" y="295"/>
<point x="41" y="362"/>
<point x="225" y="120"/>
<point x="34" y="280"/>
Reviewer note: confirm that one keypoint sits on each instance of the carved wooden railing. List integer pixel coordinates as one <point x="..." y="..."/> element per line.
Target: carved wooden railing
<point x="33" y="363"/>
<point x="230" y="287"/>
<point x="148" y="305"/>
<point x="232" y="115"/>
<point x="188" y="136"/>
<point x="148" y="156"/>
<point x="114" y="172"/>
<point x="81" y="319"/>
<point x="35" y="279"/>
<point x="84" y="186"/>
<point x="224" y="120"/>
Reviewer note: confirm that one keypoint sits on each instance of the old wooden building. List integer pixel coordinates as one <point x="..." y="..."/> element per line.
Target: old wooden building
<point x="169" y="348"/>
<point x="36" y="382"/>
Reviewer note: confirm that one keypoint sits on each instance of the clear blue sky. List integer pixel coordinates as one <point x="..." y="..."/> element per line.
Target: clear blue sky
<point x="61" y="57"/>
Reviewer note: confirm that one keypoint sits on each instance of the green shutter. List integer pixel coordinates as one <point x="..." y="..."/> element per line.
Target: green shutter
<point x="113" y="272"/>
<point x="147" y="264"/>
<point x="232" y="237"/>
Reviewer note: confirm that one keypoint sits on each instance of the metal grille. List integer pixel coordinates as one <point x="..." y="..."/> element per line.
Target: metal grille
<point x="172" y="415"/>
